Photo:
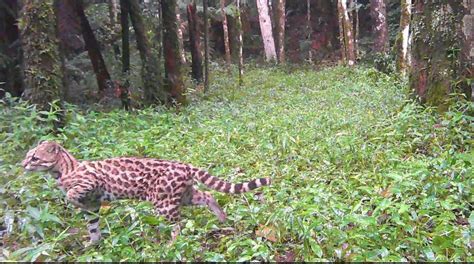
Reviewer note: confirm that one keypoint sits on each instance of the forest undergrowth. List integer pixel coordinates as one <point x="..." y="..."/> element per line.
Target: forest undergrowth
<point x="360" y="172"/>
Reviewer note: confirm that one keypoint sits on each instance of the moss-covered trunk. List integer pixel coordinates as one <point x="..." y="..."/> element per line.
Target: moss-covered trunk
<point x="151" y="82"/>
<point x="439" y="65"/>
<point x="42" y="68"/>
<point x="174" y="82"/>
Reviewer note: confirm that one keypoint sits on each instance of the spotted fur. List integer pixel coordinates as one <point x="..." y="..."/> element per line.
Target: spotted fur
<point x="166" y="184"/>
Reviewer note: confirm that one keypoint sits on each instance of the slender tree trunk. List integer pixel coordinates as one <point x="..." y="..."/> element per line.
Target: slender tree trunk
<point x="442" y="50"/>
<point x="124" y="12"/>
<point x="93" y="49"/>
<point x="113" y="15"/>
<point x="266" y="30"/>
<point x="280" y="18"/>
<point x="182" y="55"/>
<point x="379" y="14"/>
<point x="340" y="19"/>
<point x="309" y="29"/>
<point x="240" y="45"/>
<point x="403" y="49"/>
<point x="42" y="67"/>
<point x="195" y="41"/>
<point x="206" y="47"/>
<point x="226" y="35"/>
<point x="150" y="68"/>
<point x="356" y="27"/>
<point x="347" y="32"/>
<point x="61" y="7"/>
<point x="174" y="82"/>
<point x="113" y="22"/>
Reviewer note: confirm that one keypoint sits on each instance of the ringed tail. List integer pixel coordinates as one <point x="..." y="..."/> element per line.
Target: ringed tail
<point x="227" y="187"/>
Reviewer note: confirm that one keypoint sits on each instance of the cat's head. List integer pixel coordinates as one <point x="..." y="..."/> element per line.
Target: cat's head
<point x="43" y="157"/>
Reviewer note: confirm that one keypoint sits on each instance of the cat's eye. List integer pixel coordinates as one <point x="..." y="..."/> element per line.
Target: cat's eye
<point x="34" y="158"/>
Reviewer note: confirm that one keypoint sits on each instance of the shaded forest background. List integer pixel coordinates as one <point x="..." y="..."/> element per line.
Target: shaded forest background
<point x="97" y="55"/>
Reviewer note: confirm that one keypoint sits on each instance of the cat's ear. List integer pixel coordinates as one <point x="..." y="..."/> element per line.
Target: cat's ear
<point x="53" y="147"/>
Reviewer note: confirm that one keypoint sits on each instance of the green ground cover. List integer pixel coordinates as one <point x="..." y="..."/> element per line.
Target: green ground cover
<point x="359" y="173"/>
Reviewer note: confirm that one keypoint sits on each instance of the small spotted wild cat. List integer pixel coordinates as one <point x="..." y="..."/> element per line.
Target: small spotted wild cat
<point x="166" y="184"/>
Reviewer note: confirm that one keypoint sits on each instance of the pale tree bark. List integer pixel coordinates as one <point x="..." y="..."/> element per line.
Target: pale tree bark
<point x="347" y="33"/>
<point x="266" y="30"/>
<point x="226" y="34"/>
<point x="403" y="40"/>
<point x="356" y="26"/>
<point x="206" y="46"/>
<point x="442" y="50"/>
<point x="240" y="45"/>
<point x="281" y="18"/>
<point x="379" y="15"/>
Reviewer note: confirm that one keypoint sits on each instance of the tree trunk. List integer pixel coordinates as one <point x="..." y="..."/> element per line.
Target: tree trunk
<point x="174" y="82"/>
<point x="226" y="35"/>
<point x="61" y="8"/>
<point x="93" y="49"/>
<point x="347" y="36"/>
<point x="113" y="22"/>
<point x="124" y="12"/>
<point x="442" y="52"/>
<point x="340" y="20"/>
<point x="379" y="15"/>
<point x="206" y="47"/>
<point x="179" y="22"/>
<point x="280" y="18"/>
<point x="266" y="30"/>
<point x="150" y="68"/>
<point x="69" y="26"/>
<point x="10" y="51"/>
<point x="195" y="42"/>
<point x="309" y="29"/>
<point x="240" y="45"/>
<point x="42" y="68"/>
<point x="356" y="27"/>
<point x="402" y="43"/>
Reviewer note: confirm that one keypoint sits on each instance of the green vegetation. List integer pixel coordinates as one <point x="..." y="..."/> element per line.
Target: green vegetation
<point x="360" y="173"/>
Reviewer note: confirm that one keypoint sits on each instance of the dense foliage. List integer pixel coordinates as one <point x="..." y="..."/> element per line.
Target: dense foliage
<point x="360" y="173"/>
